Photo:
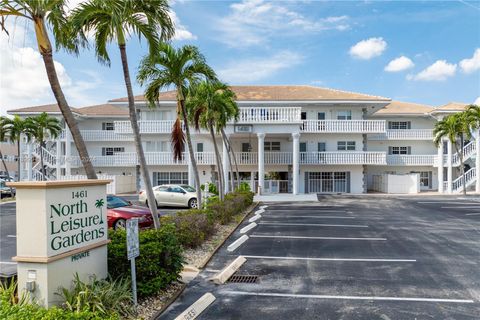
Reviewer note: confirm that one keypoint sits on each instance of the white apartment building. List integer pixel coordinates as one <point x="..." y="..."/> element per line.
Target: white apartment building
<point x="288" y="139"/>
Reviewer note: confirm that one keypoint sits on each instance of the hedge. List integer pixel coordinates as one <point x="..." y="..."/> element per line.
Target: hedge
<point x="160" y="261"/>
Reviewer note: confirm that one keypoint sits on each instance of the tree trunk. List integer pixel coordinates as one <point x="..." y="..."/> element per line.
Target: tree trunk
<point x="19" y="165"/>
<point x="221" y="179"/>
<point x="227" y="146"/>
<point x="190" y="152"/>
<point x="6" y="170"/>
<point x="233" y="156"/>
<point x="46" y="51"/>
<point x="42" y="165"/>
<point x="137" y="139"/>
<point x="462" y="167"/>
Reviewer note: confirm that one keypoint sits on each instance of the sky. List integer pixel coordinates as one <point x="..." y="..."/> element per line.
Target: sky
<point x="416" y="51"/>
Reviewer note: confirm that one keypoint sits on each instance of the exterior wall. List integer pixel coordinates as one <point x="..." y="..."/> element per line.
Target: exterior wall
<point x="417" y="146"/>
<point x="376" y="170"/>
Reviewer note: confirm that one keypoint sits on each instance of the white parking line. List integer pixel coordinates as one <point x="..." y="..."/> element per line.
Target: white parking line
<point x="330" y="259"/>
<point x="476" y="207"/>
<point x="473" y="214"/>
<point x="313" y="217"/>
<point x="315" y="238"/>
<point x="11" y="236"/>
<point x="7" y="262"/>
<point x="448" y="202"/>
<point x="311" y="211"/>
<point x="318" y="296"/>
<point x="313" y="225"/>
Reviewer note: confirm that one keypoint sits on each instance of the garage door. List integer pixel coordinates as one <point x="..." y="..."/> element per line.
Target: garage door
<point x="327" y="182"/>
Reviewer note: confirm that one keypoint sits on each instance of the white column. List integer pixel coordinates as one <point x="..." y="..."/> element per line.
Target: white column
<point x="477" y="162"/>
<point x="225" y="166"/>
<point x="68" y="152"/>
<point x="449" y="168"/>
<point x="440" y="167"/>
<point x="58" y="145"/>
<point x="29" y="162"/>
<point x="252" y="181"/>
<point x="191" y="180"/>
<point x="296" y="162"/>
<point x="261" y="160"/>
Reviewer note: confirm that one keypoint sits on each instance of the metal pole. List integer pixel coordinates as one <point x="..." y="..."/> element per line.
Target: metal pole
<point x="134" y="281"/>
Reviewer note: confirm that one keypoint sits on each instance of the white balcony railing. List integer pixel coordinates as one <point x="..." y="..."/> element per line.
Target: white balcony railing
<point x="269" y="114"/>
<point x="344" y="126"/>
<point x="411" y="160"/>
<point x="145" y="126"/>
<point x="269" y="157"/>
<point x="406" y="134"/>
<point x="346" y="157"/>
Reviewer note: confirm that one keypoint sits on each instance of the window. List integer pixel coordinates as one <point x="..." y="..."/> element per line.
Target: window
<point x="160" y="178"/>
<point x="155" y="115"/>
<point x="399" y="150"/>
<point x="346" y="145"/>
<point x="303" y="115"/>
<point x="156" y="146"/>
<point x="272" y="146"/>
<point x="110" y="151"/>
<point x="303" y="147"/>
<point x="322" y="147"/>
<point x="344" y="115"/>
<point x="399" y="125"/>
<point x="108" y="126"/>
<point x="321" y="116"/>
<point x="200" y="147"/>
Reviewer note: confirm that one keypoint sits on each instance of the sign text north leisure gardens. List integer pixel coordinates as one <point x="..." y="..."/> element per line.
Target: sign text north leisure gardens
<point x="74" y="223"/>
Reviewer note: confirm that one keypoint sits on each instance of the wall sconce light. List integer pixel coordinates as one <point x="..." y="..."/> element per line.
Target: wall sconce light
<point x="203" y="172"/>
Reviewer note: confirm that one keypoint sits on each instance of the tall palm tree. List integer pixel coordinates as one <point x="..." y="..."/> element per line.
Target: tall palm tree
<point x="455" y="128"/>
<point x="51" y="13"/>
<point x="13" y="128"/>
<point x="41" y="128"/>
<point x="178" y="68"/>
<point x="114" y="21"/>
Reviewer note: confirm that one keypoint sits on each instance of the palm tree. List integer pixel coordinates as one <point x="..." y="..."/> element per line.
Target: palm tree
<point x="41" y="128"/>
<point x="13" y="128"/>
<point x="51" y="13"/>
<point x="3" y="134"/>
<point x="179" y="68"/>
<point x="113" y="21"/>
<point x="454" y="127"/>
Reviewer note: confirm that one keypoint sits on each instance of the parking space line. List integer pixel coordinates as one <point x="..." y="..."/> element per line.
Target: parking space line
<point x="310" y="211"/>
<point x="11" y="236"/>
<point x="476" y="207"/>
<point x="330" y="259"/>
<point x="316" y="238"/>
<point x="313" y="217"/>
<point x="318" y="296"/>
<point x="448" y="202"/>
<point x="313" y="225"/>
<point x="7" y="262"/>
<point x="473" y="214"/>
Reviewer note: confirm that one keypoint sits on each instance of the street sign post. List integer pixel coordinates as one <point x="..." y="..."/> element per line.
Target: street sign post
<point x="133" y="251"/>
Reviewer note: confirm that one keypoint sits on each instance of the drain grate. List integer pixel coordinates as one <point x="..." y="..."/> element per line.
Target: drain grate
<point x="243" y="278"/>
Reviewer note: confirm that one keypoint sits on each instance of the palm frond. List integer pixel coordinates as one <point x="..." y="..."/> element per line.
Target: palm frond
<point x="178" y="140"/>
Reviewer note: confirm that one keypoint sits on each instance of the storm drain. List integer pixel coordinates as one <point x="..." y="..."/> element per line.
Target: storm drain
<point x="243" y="278"/>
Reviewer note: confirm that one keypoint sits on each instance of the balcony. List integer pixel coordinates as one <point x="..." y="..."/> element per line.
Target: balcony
<point x="270" y="115"/>
<point x="377" y="158"/>
<point x="404" y="134"/>
<point x="128" y="159"/>
<point x="269" y="157"/>
<point x="145" y="126"/>
<point x="411" y="160"/>
<point x="344" y="126"/>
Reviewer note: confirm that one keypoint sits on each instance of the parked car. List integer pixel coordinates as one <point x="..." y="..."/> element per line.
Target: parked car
<point x="6" y="191"/>
<point x="120" y="210"/>
<point x="7" y="178"/>
<point x="172" y="195"/>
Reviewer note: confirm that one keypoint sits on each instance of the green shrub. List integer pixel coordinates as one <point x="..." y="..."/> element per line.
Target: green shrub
<point x="244" y="187"/>
<point x="159" y="263"/>
<point x="193" y="226"/>
<point x="212" y="188"/>
<point x="105" y="297"/>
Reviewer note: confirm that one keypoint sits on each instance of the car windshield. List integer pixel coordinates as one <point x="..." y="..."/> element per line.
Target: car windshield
<point x="188" y="188"/>
<point x="116" y="202"/>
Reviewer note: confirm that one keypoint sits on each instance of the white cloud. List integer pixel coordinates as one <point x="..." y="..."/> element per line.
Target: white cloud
<point x="249" y="70"/>
<point x="368" y="49"/>
<point x="472" y="64"/>
<point x="23" y="80"/>
<point x="477" y="102"/>
<point x="181" y="32"/>
<point x="438" y="71"/>
<point x="399" y="64"/>
<point x="253" y="22"/>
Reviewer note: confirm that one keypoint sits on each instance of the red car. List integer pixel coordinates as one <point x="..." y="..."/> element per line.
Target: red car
<point x="119" y="210"/>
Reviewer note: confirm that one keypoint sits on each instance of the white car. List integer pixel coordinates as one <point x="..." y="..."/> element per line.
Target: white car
<point x="172" y="195"/>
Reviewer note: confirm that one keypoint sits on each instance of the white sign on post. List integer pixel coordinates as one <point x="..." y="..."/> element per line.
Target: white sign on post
<point x="133" y="251"/>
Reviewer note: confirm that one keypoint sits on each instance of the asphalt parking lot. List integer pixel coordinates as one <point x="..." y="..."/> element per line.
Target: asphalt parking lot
<point x="348" y="257"/>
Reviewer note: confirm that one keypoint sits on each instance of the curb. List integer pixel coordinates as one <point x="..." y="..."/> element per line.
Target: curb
<point x="207" y="260"/>
<point x="202" y="265"/>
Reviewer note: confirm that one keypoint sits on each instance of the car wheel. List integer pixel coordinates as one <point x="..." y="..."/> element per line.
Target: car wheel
<point x="192" y="203"/>
<point x="120" y="224"/>
<point x="146" y="202"/>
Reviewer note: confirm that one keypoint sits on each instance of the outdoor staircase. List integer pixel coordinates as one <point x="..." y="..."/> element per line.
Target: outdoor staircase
<point x="469" y="151"/>
<point x="49" y="161"/>
<point x="470" y="178"/>
<point x="469" y="154"/>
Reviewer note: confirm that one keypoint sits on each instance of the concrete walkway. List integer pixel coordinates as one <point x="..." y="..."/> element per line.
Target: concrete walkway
<point x="286" y="197"/>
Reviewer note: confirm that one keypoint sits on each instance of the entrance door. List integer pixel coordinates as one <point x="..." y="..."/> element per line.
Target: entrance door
<point x="328" y="182"/>
<point x="425" y="180"/>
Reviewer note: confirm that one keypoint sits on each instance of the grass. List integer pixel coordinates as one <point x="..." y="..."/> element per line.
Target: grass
<point x="7" y="199"/>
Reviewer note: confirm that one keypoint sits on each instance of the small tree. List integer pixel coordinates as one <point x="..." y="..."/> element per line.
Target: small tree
<point x="12" y="129"/>
<point x="41" y="128"/>
<point x="455" y="128"/>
